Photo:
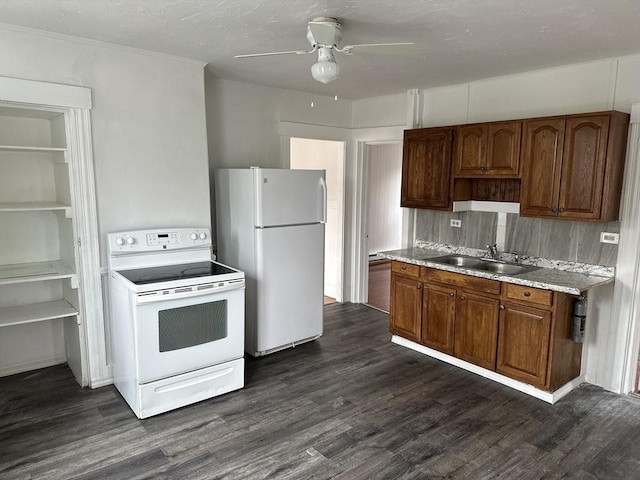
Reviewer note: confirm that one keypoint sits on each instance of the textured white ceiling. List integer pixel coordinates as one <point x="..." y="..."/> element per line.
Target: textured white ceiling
<point x="457" y="40"/>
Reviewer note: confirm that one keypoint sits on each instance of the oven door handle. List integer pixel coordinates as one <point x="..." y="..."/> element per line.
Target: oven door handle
<point x="152" y="297"/>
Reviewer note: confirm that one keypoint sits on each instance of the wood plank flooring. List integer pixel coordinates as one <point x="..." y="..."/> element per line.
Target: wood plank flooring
<point x="350" y="405"/>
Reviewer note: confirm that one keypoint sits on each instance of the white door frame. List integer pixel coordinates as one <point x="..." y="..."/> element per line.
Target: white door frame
<point x="365" y="212"/>
<point x="360" y="258"/>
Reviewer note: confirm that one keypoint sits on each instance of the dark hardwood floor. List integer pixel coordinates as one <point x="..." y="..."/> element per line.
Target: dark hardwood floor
<point x="350" y="405"/>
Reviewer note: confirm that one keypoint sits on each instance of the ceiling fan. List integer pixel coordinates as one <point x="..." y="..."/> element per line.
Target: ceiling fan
<point x="324" y="34"/>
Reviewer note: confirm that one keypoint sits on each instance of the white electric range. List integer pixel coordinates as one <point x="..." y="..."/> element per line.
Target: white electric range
<point x="177" y="319"/>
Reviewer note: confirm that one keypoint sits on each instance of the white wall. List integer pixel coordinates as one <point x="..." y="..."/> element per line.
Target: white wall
<point x="243" y="121"/>
<point x="149" y="128"/>
<point x="612" y="84"/>
<point x="376" y="112"/>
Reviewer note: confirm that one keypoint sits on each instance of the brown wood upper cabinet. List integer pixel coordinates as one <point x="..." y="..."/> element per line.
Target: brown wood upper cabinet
<point x="488" y="149"/>
<point x="573" y="166"/>
<point x="426" y="168"/>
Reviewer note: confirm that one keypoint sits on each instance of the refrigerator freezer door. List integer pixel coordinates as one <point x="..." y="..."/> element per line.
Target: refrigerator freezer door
<point x="289" y="197"/>
<point x="289" y="297"/>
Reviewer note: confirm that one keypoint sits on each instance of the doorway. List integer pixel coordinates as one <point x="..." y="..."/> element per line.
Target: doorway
<point x="383" y="168"/>
<point x="328" y="155"/>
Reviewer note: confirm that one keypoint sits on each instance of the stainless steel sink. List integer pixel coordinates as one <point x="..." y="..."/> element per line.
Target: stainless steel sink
<point x="484" y="264"/>
<point x="504" y="267"/>
<point x="458" y="261"/>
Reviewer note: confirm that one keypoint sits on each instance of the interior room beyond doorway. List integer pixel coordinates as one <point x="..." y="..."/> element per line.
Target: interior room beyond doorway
<point x="328" y="155"/>
<point x="384" y="217"/>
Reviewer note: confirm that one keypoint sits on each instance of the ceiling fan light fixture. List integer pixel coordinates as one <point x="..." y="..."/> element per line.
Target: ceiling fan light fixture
<point x="325" y="72"/>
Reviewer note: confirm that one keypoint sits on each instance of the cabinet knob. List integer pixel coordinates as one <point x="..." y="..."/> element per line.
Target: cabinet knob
<point x="452" y="294"/>
<point x="403" y="267"/>
<point x="561" y="210"/>
<point x="554" y="210"/>
<point x="501" y="307"/>
<point x="462" y="298"/>
<point x="527" y="294"/>
<point x="419" y="287"/>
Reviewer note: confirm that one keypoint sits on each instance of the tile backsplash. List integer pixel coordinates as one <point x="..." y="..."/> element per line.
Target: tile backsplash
<point x="478" y="228"/>
<point x="552" y="239"/>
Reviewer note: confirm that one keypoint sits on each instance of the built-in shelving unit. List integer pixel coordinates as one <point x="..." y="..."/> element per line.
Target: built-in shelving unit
<point x="51" y="308"/>
<point x="39" y="297"/>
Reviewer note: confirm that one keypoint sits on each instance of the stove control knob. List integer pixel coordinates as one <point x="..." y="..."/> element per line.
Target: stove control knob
<point x="203" y="235"/>
<point x="131" y="240"/>
<point x="194" y="236"/>
<point x="120" y="241"/>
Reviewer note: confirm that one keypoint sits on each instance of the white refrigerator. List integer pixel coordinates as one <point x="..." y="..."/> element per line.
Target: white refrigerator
<point x="270" y="224"/>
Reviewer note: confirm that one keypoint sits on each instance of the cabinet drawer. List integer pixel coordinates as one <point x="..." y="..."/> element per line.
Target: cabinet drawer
<point x="527" y="294"/>
<point x="460" y="280"/>
<point x="405" y="269"/>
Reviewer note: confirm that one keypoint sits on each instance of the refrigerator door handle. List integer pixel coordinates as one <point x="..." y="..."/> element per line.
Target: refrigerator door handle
<point x="257" y="199"/>
<point x="323" y="184"/>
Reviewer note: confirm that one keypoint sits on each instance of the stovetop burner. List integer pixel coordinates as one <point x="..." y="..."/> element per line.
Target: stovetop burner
<point x="167" y="273"/>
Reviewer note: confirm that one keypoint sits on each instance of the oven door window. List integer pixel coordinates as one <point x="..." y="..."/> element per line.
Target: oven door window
<point x="192" y="325"/>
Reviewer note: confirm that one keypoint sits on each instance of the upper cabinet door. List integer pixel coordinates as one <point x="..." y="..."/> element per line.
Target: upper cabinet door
<point x="583" y="167"/>
<point x="471" y="150"/>
<point x="503" y="149"/>
<point x="426" y="168"/>
<point x="542" y="166"/>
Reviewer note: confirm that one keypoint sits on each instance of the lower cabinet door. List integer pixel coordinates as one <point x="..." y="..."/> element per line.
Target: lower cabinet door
<point x="477" y="329"/>
<point x="406" y="307"/>
<point x="523" y="344"/>
<point x="438" y="314"/>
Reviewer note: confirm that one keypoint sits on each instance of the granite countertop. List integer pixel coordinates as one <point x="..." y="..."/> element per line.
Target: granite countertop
<point x="565" y="277"/>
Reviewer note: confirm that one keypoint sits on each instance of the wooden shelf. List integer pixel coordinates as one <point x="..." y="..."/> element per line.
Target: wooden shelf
<point x="35" y="207"/>
<point x="24" y="148"/>
<point x="37" y="312"/>
<point x="36" y="272"/>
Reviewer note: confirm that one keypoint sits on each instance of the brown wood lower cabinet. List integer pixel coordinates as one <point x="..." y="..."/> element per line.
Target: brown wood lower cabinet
<point x="521" y="332"/>
<point x="406" y="307"/>
<point x="438" y="315"/>
<point x="477" y="329"/>
<point x="523" y="343"/>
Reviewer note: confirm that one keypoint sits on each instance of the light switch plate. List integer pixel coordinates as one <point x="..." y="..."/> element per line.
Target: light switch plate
<point x="606" y="237"/>
<point x="456" y="223"/>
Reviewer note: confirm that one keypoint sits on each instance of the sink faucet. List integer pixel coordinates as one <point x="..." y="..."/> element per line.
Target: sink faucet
<point x="493" y="250"/>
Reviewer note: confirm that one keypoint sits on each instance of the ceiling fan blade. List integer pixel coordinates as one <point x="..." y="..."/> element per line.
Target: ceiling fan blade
<point x="323" y="33"/>
<point x="378" y="48"/>
<point x="297" y="52"/>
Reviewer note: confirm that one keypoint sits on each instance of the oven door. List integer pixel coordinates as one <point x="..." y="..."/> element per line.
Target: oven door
<point x="180" y="335"/>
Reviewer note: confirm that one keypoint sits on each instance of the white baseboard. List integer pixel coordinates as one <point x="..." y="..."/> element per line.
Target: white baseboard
<point x="25" y="367"/>
<point x="101" y="382"/>
<point x="549" y="397"/>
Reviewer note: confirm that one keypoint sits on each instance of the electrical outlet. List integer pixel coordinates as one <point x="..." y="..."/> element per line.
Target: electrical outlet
<point x="606" y="237"/>
<point x="456" y="223"/>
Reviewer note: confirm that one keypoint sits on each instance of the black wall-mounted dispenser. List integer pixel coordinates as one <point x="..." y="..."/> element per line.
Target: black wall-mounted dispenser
<point x="579" y="319"/>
